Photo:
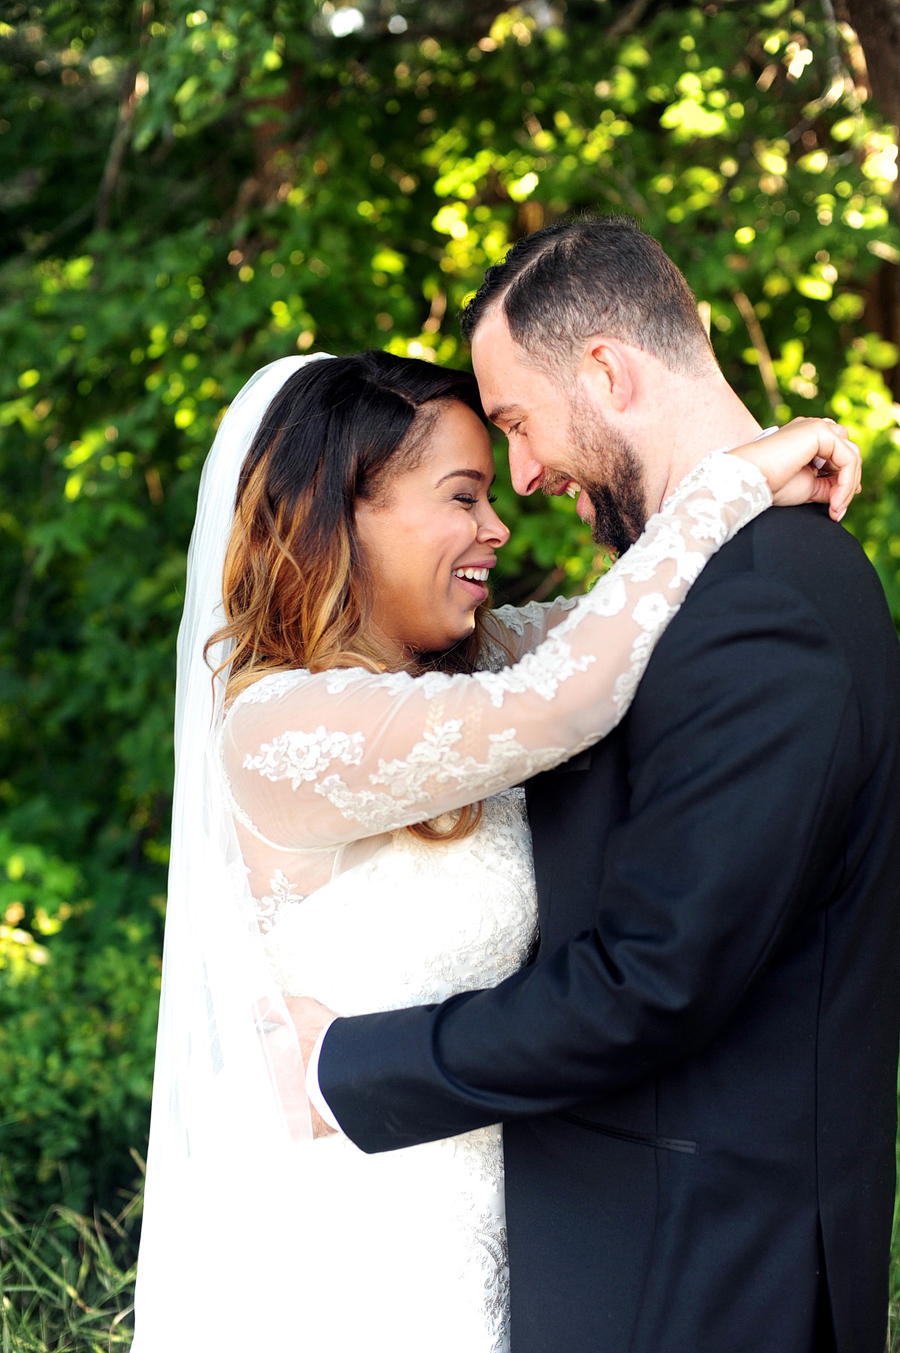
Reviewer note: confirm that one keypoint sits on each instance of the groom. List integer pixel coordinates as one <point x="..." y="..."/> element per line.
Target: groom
<point x="697" y="1074"/>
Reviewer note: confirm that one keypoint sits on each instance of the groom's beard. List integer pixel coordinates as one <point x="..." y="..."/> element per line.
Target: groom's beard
<point x="618" y="498"/>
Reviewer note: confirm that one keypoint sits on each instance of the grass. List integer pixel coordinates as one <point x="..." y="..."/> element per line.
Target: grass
<point x="67" y="1283"/>
<point x="893" y="1336"/>
<point x="893" y="1339"/>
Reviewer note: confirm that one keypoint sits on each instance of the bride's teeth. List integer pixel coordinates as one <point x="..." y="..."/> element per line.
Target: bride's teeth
<point x="475" y="575"/>
<point x="573" y="490"/>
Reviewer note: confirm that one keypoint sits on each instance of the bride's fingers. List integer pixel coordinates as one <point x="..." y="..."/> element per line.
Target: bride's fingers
<point x="839" y="464"/>
<point x="843" y="464"/>
<point x="794" y="455"/>
<point x="820" y="491"/>
<point x="832" y="477"/>
<point x="837" y="486"/>
<point x="821" y="460"/>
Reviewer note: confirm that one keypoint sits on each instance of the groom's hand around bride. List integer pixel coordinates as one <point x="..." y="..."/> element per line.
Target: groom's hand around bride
<point x="309" y="1018"/>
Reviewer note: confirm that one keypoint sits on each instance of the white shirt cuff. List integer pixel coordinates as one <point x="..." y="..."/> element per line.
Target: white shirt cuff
<point x="313" y="1089"/>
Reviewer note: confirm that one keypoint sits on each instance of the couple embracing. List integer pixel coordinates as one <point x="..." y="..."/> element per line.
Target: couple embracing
<point x="531" y="974"/>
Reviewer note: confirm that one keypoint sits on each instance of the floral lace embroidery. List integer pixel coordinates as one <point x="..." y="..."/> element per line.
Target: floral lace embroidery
<point x="283" y="894"/>
<point x="483" y="954"/>
<point x="394" y="683"/>
<point x="268" y="687"/>
<point x="482" y="1154"/>
<point x="239" y="812"/>
<point x="341" y="678"/>
<point x="520" y="619"/>
<point x="430" y="771"/>
<point x="301" y="757"/>
<point x="542" y="672"/>
<point x="432" y="761"/>
<point x="728" y="478"/>
<point x="493" y="657"/>
<point x="479" y="924"/>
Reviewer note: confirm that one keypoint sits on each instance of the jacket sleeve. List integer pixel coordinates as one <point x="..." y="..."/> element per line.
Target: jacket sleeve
<point x="743" y="747"/>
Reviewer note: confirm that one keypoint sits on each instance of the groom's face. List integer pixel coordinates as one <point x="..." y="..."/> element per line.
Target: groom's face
<point x="560" y="440"/>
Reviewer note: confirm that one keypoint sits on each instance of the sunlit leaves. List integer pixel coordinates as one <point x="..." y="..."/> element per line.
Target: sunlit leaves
<point x="287" y="185"/>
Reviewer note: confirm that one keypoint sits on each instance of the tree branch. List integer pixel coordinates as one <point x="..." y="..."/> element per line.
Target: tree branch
<point x="117" y="148"/>
<point x="629" y="19"/>
<point x="761" y="347"/>
<point x="131" y="94"/>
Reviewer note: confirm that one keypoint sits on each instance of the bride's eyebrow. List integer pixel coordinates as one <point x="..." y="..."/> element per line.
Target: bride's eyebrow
<point x="466" y="474"/>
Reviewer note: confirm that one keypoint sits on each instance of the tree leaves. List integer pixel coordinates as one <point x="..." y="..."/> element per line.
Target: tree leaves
<point x="269" y="180"/>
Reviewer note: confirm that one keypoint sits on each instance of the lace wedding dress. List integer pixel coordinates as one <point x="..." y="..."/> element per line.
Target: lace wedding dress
<point x="324" y="772"/>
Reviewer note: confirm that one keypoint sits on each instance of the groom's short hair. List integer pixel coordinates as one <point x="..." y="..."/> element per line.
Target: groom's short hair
<point x="595" y="275"/>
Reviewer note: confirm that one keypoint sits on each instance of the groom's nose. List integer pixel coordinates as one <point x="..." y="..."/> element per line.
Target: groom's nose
<point x="525" y="471"/>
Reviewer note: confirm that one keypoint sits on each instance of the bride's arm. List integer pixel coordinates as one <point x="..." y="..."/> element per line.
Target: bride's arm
<point x="517" y="630"/>
<point x="317" y="760"/>
<point x="320" y="759"/>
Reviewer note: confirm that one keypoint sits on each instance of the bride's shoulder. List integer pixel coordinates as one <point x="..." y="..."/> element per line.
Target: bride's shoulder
<point x="333" y="681"/>
<point x="269" y="688"/>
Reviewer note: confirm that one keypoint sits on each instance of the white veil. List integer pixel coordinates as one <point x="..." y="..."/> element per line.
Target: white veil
<point x="219" y="1254"/>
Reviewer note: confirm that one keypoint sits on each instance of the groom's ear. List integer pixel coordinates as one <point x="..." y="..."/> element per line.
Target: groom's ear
<point x="606" y="372"/>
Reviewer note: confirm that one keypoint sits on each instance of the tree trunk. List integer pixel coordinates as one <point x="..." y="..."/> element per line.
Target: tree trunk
<point x="877" y="25"/>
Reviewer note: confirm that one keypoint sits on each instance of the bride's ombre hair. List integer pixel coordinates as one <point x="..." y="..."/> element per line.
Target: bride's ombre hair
<point x="297" y="587"/>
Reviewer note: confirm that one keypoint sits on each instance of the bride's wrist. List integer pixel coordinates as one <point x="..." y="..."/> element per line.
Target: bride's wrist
<point x="726" y="474"/>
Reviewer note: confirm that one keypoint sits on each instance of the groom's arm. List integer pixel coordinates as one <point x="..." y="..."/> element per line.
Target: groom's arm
<point x="744" y="747"/>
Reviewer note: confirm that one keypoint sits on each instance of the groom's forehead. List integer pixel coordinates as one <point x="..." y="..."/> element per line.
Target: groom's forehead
<point x="508" y="374"/>
<point x="495" y="357"/>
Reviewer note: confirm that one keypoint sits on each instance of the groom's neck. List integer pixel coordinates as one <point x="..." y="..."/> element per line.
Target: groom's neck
<point x="696" y="417"/>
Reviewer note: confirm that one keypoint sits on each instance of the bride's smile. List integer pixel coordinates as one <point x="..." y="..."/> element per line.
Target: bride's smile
<point x="431" y="540"/>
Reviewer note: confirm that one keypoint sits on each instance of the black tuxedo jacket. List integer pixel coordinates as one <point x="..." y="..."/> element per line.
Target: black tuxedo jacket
<point x="697" y="1075"/>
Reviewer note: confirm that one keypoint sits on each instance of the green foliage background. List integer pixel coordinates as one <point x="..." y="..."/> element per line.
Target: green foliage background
<point x="187" y="194"/>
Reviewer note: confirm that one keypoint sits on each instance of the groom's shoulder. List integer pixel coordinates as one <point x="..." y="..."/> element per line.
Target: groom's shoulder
<point x="794" y="537"/>
<point x="800" y="548"/>
<point x="795" y="569"/>
<point x="785" y="537"/>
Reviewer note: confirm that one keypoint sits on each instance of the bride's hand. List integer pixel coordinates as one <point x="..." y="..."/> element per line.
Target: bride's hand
<point x="287" y="1051"/>
<point x="309" y="1018"/>
<point x="810" y="460"/>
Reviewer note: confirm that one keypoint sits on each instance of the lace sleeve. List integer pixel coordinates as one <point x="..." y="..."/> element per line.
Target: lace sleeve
<point x="321" y="759"/>
<point x="517" y="630"/>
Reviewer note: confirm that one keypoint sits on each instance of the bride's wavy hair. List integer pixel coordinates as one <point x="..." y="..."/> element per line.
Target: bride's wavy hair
<point x="297" y="586"/>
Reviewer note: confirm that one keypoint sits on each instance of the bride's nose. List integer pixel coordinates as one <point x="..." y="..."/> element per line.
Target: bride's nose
<point x="491" y="530"/>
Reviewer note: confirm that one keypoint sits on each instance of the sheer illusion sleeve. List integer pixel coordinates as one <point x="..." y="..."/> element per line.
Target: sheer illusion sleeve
<point x="517" y="630"/>
<point x="318" y="760"/>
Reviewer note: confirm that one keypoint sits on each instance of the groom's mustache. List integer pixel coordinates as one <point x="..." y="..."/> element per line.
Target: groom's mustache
<point x="552" y="483"/>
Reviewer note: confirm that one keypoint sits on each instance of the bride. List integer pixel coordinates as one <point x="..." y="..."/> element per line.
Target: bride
<point x="352" y="722"/>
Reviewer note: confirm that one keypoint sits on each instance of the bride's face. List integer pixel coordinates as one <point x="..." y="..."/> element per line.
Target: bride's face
<point x="435" y="526"/>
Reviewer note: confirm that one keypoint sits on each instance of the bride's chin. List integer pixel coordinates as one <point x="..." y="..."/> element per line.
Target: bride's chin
<point x="451" y="639"/>
<point x="466" y="627"/>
